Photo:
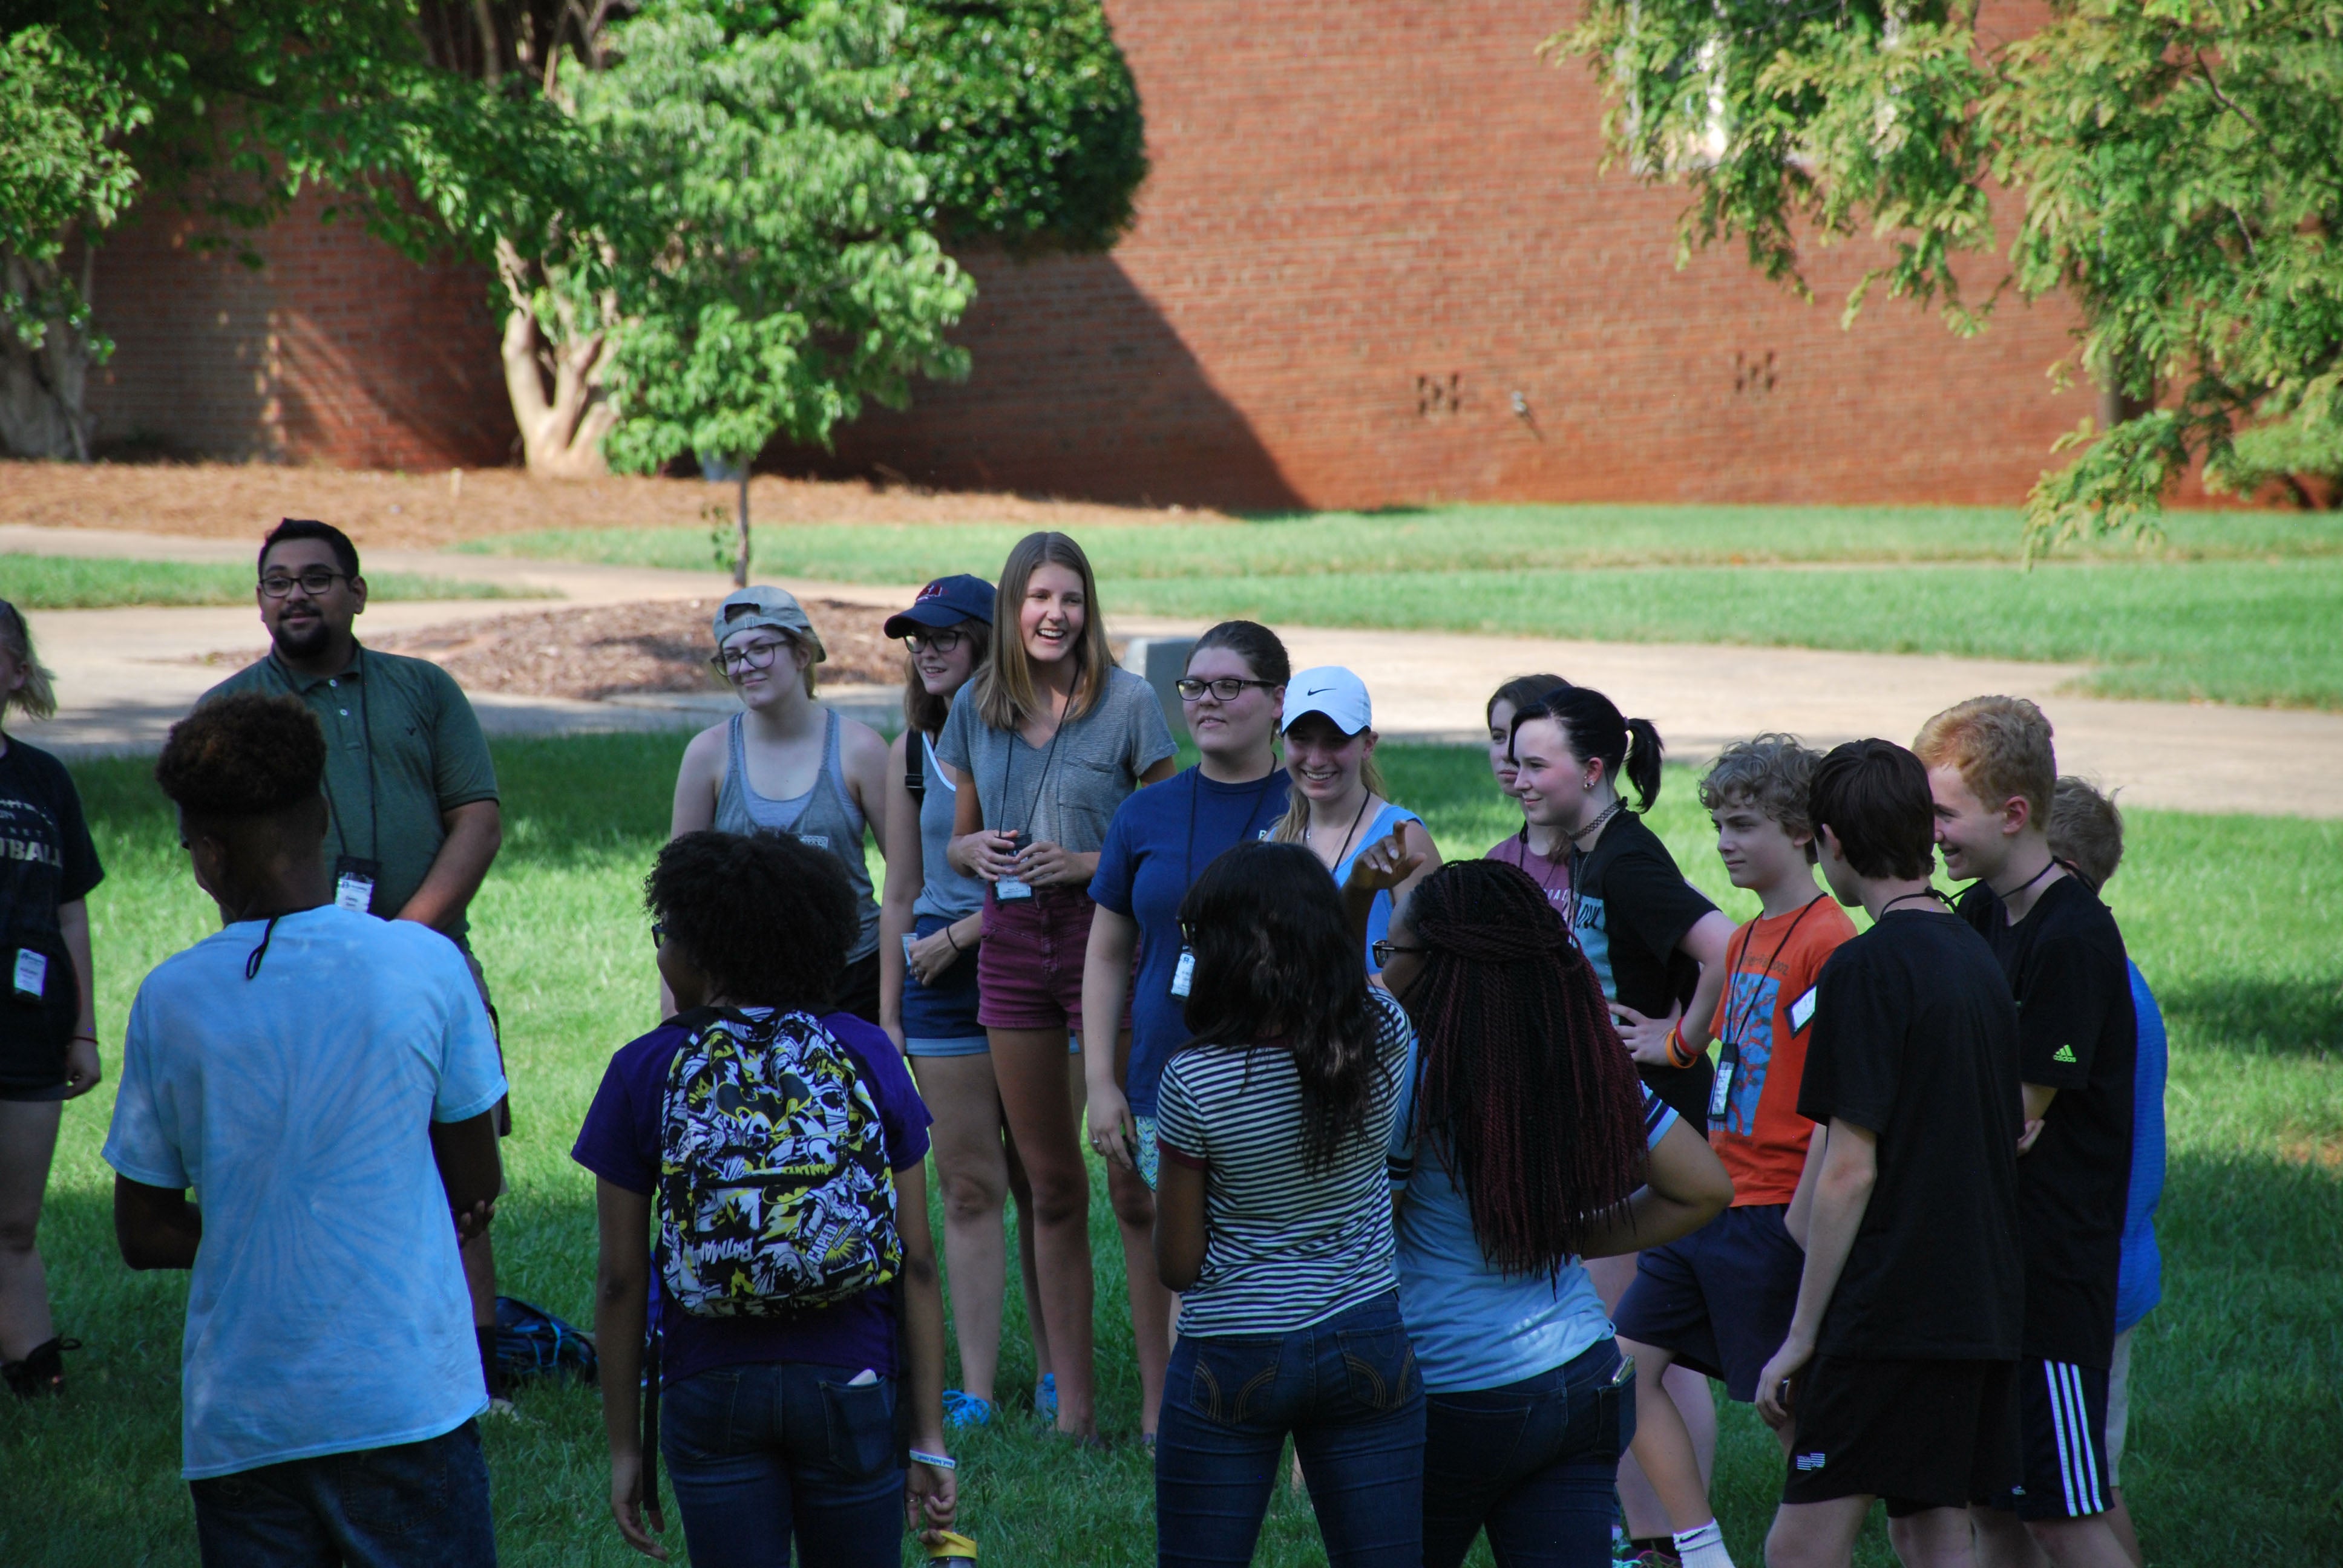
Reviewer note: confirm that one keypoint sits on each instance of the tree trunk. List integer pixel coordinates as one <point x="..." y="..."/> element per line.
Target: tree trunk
<point x="561" y="425"/>
<point x="43" y="383"/>
<point x="740" y="557"/>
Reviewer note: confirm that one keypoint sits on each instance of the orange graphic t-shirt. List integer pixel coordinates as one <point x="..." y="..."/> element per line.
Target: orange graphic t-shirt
<point x="1768" y="1012"/>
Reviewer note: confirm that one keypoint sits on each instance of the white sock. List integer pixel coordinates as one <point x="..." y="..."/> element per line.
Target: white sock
<point x="1703" y="1546"/>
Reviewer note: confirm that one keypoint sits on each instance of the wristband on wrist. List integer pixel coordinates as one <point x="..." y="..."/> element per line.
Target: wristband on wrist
<point x="935" y="1461"/>
<point x="85" y="1035"/>
<point x="1677" y="1055"/>
<point x="949" y="937"/>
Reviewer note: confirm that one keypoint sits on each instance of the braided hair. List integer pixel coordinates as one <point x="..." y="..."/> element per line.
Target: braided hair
<point x="1528" y="1097"/>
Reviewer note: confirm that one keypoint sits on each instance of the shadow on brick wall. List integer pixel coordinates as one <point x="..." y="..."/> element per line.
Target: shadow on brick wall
<point x="1079" y="390"/>
<point x="334" y="349"/>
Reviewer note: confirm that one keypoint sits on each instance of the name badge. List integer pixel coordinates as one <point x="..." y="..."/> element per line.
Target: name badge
<point x="354" y="882"/>
<point x="32" y="973"/>
<point x="1009" y="890"/>
<point x="1802" y="1011"/>
<point x="1719" y="1094"/>
<point x="1183" y="973"/>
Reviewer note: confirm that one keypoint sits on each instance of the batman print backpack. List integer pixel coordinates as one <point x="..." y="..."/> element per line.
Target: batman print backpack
<point x="774" y="1191"/>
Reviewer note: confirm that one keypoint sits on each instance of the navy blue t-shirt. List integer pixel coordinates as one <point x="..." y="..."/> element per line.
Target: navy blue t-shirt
<point x="1160" y="839"/>
<point x="620" y="1143"/>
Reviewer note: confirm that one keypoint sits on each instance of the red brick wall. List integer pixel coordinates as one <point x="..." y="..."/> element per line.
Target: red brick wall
<point x="336" y="350"/>
<point x="1368" y="226"/>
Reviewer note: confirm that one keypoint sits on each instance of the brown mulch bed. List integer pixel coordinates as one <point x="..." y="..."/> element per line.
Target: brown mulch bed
<point x="242" y="500"/>
<point x="599" y="652"/>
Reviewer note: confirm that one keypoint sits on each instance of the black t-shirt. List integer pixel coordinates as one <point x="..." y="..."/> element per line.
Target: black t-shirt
<point x="1915" y="1038"/>
<point x="1630" y="907"/>
<point x="46" y="858"/>
<point x="2077" y="1033"/>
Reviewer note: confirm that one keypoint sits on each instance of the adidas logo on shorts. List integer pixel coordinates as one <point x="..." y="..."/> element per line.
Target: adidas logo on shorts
<point x="1808" y="1461"/>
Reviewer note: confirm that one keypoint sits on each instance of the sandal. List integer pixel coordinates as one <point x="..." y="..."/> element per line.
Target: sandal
<point x="42" y="1373"/>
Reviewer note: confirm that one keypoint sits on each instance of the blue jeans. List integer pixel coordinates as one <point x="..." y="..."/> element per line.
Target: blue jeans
<point x="1349" y="1391"/>
<point x="759" y="1451"/>
<point x="1535" y="1462"/>
<point x="417" y="1505"/>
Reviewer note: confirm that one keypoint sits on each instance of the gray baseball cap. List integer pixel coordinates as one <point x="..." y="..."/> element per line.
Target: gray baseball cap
<point x="756" y="606"/>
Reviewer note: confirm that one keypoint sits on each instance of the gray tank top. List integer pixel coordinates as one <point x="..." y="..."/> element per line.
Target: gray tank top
<point x="946" y="893"/>
<point x="824" y="817"/>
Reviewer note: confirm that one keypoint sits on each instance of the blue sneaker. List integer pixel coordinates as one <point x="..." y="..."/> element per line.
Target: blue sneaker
<point x="1045" y="1398"/>
<point x="966" y="1410"/>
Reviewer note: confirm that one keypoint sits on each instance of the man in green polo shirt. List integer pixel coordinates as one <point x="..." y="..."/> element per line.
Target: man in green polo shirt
<point x="416" y="822"/>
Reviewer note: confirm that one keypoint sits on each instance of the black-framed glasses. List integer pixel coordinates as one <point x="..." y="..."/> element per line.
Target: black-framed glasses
<point x="943" y="640"/>
<point x="658" y="933"/>
<point x="754" y="655"/>
<point x="1385" y="948"/>
<point x="311" y="580"/>
<point x="1227" y="687"/>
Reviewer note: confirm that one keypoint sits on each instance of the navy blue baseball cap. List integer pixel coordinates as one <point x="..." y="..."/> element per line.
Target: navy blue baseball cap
<point x="947" y="601"/>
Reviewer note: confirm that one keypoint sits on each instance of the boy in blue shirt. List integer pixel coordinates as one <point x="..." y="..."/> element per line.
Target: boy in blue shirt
<point x="325" y="1081"/>
<point x="2087" y="833"/>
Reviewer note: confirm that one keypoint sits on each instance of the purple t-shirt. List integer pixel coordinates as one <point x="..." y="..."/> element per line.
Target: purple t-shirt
<point x="620" y="1143"/>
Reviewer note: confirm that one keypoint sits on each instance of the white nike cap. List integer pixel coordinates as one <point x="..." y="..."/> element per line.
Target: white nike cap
<point x="1331" y="690"/>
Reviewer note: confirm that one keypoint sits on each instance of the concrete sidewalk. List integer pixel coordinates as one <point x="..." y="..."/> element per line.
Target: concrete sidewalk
<point x="126" y="675"/>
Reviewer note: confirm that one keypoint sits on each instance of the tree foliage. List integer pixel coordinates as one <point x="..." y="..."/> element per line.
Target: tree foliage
<point x="2179" y="163"/>
<point x="773" y="263"/>
<point x="63" y="173"/>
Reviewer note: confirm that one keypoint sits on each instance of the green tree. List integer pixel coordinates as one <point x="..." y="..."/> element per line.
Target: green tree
<point x="1020" y="115"/>
<point x="65" y="177"/>
<point x="2179" y="167"/>
<point x="776" y="268"/>
<point x="225" y="106"/>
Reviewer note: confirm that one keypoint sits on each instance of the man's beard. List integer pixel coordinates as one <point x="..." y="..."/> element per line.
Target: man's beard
<point x="294" y="644"/>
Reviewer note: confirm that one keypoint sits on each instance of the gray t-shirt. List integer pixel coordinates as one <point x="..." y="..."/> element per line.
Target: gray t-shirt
<point x="1065" y="790"/>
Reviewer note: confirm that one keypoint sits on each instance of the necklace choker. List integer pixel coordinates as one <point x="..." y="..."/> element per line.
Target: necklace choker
<point x="1601" y="819"/>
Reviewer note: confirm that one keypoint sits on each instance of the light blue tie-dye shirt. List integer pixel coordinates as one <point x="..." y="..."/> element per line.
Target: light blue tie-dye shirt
<point x="327" y="1311"/>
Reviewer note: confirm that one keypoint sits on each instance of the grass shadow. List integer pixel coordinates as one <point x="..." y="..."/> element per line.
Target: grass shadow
<point x="2259" y="1014"/>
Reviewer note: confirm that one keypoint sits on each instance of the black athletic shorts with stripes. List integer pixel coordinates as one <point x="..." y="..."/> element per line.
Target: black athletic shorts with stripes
<point x="1917" y="1434"/>
<point x="2063" y="1430"/>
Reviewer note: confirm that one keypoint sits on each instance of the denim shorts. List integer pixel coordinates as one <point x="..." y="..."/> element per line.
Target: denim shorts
<point x="939" y="1019"/>
<point x="1030" y="969"/>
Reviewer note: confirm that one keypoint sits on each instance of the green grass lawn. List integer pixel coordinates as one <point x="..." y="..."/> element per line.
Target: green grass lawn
<point x="87" y="582"/>
<point x="2237" y="1448"/>
<point x="2227" y="607"/>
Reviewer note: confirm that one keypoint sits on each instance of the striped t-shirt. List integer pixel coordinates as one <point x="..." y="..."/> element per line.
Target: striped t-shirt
<point x="1285" y="1247"/>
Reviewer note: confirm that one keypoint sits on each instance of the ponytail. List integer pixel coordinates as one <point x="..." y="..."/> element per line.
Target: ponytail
<point x="1630" y="749"/>
<point x="1643" y="761"/>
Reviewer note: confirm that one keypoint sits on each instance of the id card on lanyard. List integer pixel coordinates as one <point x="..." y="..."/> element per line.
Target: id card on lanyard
<point x="1728" y="1051"/>
<point x="31" y="980"/>
<point x="354" y="882"/>
<point x="1183" y="973"/>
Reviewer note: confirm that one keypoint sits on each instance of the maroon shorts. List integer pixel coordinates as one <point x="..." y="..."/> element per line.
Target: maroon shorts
<point x="1029" y="970"/>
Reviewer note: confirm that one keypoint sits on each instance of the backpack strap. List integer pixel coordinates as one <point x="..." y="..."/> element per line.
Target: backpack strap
<point x="915" y="763"/>
<point x="652" y="1345"/>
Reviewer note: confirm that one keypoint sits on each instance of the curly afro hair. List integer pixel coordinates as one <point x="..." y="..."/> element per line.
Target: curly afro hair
<point x="767" y="917"/>
<point x="248" y="755"/>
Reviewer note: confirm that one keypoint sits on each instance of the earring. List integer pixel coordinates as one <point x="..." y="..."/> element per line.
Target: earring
<point x="1587" y="785"/>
